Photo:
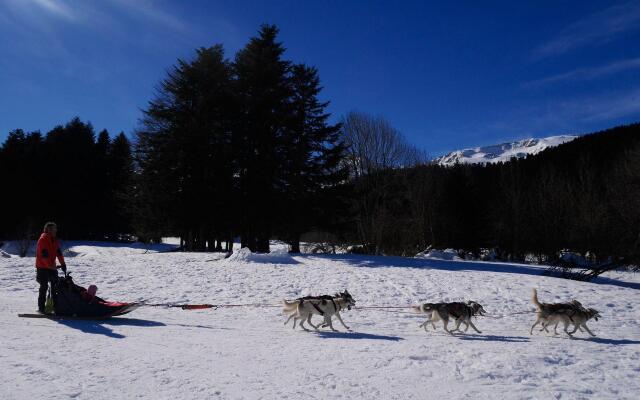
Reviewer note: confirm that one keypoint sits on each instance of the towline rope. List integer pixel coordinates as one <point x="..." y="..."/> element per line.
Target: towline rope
<point x="206" y="306"/>
<point x="379" y="307"/>
<point x="507" y="315"/>
<point x="357" y="308"/>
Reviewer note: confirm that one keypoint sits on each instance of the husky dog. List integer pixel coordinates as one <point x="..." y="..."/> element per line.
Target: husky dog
<point x="568" y="313"/>
<point x="577" y="317"/>
<point x="461" y="312"/>
<point x="304" y="308"/>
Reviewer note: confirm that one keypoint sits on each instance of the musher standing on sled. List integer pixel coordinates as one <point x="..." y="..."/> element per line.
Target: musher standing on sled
<point x="47" y="251"/>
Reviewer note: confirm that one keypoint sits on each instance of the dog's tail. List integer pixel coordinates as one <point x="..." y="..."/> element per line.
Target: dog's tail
<point x="289" y="306"/>
<point x="534" y="299"/>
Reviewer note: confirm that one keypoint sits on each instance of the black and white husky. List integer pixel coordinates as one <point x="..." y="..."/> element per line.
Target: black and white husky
<point x="459" y="311"/>
<point x="304" y="308"/>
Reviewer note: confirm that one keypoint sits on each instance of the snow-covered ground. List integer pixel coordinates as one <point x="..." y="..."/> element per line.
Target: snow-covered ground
<point x="236" y="353"/>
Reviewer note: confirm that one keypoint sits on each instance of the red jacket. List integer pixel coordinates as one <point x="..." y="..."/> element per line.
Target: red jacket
<point x="46" y="252"/>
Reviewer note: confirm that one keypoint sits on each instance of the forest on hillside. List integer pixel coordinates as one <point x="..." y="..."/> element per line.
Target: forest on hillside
<point x="244" y="148"/>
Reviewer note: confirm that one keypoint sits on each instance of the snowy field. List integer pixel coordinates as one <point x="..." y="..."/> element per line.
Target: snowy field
<point x="247" y="353"/>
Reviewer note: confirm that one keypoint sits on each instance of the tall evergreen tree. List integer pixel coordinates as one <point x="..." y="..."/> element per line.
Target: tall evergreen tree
<point x="119" y="162"/>
<point x="69" y="179"/>
<point x="311" y="155"/>
<point x="102" y="218"/>
<point x="179" y="150"/>
<point x="263" y="90"/>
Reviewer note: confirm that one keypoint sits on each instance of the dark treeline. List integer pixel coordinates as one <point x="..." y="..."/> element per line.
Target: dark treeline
<point x="243" y="148"/>
<point x="68" y="175"/>
<point x="583" y="196"/>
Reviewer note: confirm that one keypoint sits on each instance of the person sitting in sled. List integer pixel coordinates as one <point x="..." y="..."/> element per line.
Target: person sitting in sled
<point x="89" y="295"/>
<point x="47" y="250"/>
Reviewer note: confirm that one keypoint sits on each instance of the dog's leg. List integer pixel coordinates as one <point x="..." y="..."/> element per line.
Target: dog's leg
<point x="473" y="326"/>
<point x="309" y="321"/>
<point x="534" y="325"/>
<point x="446" y="322"/>
<point x="433" y="318"/>
<point x="342" y="322"/>
<point x="288" y="319"/>
<point x="566" y="325"/>
<point x="545" y="325"/>
<point x="424" y="325"/>
<point x="458" y="322"/>
<point x="584" y="325"/>
<point x="302" y="325"/>
<point x="329" y="323"/>
<point x="555" y="328"/>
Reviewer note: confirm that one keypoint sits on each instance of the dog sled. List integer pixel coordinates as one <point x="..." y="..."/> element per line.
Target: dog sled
<point x="71" y="301"/>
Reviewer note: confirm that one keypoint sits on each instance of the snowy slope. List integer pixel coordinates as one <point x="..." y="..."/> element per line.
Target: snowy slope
<point x="247" y="353"/>
<point x="502" y="152"/>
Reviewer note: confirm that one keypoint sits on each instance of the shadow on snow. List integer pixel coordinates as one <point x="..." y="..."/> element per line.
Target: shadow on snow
<point x="616" y="342"/>
<point x="101" y="327"/>
<point x="495" y="338"/>
<point x="368" y="261"/>
<point x="356" y="335"/>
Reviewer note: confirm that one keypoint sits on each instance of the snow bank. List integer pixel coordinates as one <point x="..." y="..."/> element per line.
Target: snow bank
<point x="87" y="248"/>
<point x="276" y="256"/>
<point x="574" y="258"/>
<point x="13" y="247"/>
<point x="434" y="254"/>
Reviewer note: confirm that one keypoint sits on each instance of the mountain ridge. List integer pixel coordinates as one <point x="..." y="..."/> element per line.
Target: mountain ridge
<point x="502" y="152"/>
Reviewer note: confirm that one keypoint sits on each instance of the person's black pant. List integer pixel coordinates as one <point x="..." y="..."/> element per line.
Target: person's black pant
<point x="44" y="276"/>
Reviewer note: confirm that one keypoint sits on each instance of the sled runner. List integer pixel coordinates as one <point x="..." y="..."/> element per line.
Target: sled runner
<point x="130" y="307"/>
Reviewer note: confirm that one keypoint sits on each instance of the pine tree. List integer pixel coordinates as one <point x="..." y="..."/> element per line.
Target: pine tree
<point x="103" y="210"/>
<point x="69" y="179"/>
<point x="120" y="165"/>
<point x="179" y="150"/>
<point x="311" y="156"/>
<point x="263" y="91"/>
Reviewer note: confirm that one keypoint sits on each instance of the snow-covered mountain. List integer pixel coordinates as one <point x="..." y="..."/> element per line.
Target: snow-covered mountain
<point x="502" y="152"/>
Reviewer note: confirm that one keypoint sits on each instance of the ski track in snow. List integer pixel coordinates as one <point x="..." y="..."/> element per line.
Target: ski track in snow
<point x="247" y="353"/>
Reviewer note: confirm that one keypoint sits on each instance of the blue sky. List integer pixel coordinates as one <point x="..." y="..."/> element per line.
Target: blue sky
<point x="447" y="74"/>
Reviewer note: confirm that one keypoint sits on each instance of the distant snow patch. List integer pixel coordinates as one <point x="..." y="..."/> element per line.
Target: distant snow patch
<point x="277" y="256"/>
<point x="433" y="254"/>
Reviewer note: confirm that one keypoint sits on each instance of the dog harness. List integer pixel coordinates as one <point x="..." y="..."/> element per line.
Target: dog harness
<point x="322" y="298"/>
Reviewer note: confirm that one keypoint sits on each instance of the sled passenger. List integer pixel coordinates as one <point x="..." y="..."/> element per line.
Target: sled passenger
<point x="47" y="250"/>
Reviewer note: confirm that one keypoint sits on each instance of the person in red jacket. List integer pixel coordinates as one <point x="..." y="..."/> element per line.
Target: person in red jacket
<point x="47" y="250"/>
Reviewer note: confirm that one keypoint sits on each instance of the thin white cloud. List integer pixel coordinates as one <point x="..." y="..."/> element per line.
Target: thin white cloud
<point x="588" y="73"/>
<point x="149" y="10"/>
<point x="106" y="14"/>
<point x="596" y="28"/>
<point x="56" y="8"/>
<point x="571" y="114"/>
<point x="604" y="108"/>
